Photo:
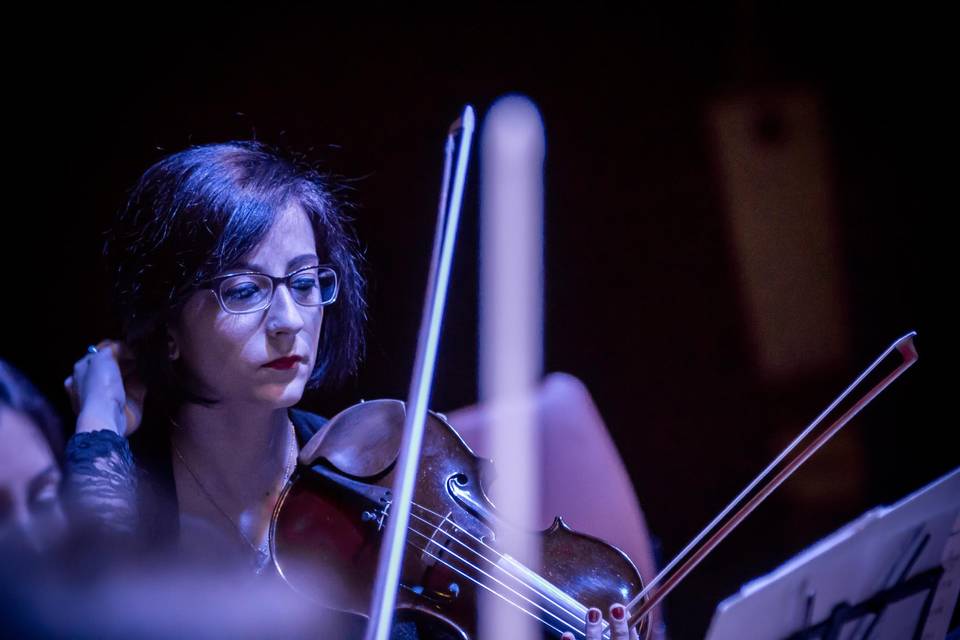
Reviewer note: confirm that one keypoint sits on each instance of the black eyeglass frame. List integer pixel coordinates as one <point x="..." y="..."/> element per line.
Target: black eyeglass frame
<point x="214" y="284"/>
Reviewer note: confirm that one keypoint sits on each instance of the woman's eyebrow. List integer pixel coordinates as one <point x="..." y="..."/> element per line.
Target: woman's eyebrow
<point x="251" y="266"/>
<point x="306" y="257"/>
<point x="235" y="267"/>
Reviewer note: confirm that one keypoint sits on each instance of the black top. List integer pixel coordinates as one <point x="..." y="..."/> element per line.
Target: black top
<point x="126" y="487"/>
<point x="124" y="495"/>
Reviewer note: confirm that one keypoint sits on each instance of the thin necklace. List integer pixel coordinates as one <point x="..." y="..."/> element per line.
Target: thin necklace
<point x="261" y="553"/>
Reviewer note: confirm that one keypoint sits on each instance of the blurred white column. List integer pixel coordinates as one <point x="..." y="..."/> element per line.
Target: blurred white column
<point x="511" y="328"/>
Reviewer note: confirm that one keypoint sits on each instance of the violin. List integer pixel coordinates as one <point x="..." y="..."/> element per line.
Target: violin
<point x="388" y="511"/>
<point x="327" y="531"/>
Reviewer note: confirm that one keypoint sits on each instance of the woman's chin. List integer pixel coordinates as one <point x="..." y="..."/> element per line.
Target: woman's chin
<point x="281" y="396"/>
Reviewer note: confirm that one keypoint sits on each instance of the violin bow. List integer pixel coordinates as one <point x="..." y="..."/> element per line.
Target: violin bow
<point x="887" y="367"/>
<point x="459" y="137"/>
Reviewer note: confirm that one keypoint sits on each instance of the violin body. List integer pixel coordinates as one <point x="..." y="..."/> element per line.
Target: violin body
<point x="327" y="530"/>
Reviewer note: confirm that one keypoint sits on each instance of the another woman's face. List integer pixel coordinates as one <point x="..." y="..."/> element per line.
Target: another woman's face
<point x="246" y="358"/>
<point x="30" y="511"/>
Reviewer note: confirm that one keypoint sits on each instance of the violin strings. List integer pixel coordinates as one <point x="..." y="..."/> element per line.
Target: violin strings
<point x="573" y="614"/>
<point x="494" y="592"/>
<point x="497" y="593"/>
<point x="546" y="597"/>
<point x="438" y="527"/>
<point x="434" y="513"/>
<point x="500" y="582"/>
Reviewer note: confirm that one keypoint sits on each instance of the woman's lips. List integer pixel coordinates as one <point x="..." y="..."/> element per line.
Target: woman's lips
<point x="284" y="363"/>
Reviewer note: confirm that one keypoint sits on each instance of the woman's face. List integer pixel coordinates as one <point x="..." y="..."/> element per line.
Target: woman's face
<point x="30" y="511"/>
<point x="234" y="357"/>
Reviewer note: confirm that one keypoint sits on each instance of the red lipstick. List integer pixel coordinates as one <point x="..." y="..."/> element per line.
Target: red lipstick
<point x="284" y="363"/>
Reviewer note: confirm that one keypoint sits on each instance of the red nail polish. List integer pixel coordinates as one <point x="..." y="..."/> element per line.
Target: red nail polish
<point x="617" y="612"/>
<point x="593" y="615"/>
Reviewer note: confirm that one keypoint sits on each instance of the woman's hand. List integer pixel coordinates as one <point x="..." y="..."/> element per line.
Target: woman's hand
<point x="105" y="391"/>
<point x="618" y="625"/>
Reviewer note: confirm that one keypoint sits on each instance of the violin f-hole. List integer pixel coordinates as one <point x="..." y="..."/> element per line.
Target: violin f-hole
<point x="460" y="489"/>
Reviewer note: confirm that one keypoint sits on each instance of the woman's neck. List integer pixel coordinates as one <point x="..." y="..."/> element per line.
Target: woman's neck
<point x="230" y="464"/>
<point x="235" y="442"/>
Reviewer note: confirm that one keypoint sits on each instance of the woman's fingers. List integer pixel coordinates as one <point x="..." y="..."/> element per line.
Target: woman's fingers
<point x="134" y="390"/>
<point x="72" y="384"/>
<point x="120" y="352"/>
<point x="618" y="623"/>
<point x="96" y="390"/>
<point x="594" y="624"/>
<point x="69" y="385"/>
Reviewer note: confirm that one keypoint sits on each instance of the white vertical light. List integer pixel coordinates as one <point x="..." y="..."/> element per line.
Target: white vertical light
<point x="511" y="327"/>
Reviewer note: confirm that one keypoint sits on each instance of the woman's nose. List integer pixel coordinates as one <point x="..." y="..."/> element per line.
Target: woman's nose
<point x="284" y="314"/>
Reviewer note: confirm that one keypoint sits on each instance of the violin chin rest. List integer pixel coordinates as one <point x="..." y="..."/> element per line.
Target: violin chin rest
<point x="361" y="441"/>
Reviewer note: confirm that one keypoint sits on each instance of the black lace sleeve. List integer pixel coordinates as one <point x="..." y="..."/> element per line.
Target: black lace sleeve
<point x="100" y="483"/>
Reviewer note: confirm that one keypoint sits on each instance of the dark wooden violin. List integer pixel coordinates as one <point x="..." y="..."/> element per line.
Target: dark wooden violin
<point x="327" y="532"/>
<point x="388" y="510"/>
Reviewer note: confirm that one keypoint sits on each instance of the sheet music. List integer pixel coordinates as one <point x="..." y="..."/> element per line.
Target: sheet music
<point x="945" y="600"/>
<point x="851" y="565"/>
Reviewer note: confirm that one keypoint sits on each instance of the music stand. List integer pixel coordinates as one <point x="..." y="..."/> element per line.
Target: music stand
<point x="893" y="573"/>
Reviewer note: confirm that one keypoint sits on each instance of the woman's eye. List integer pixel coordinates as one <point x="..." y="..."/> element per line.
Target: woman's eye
<point x="241" y="291"/>
<point x="42" y="505"/>
<point x="304" y="283"/>
<point x="46" y="497"/>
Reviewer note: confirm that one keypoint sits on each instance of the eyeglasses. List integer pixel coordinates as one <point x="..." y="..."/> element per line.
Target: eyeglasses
<point x="251" y="291"/>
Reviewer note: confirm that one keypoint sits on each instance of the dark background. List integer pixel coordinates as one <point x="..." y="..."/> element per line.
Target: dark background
<point x="642" y="300"/>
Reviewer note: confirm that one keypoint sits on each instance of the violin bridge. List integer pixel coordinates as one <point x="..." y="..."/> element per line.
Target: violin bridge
<point x="439" y="542"/>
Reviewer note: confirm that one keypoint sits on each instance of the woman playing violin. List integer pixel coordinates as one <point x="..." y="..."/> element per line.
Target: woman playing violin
<point x="237" y="284"/>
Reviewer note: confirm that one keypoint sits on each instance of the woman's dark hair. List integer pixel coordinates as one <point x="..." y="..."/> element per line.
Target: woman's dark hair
<point x="18" y="394"/>
<point x="197" y="212"/>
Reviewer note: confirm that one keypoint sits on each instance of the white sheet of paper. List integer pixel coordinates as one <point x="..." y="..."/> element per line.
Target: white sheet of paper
<point x="849" y="566"/>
